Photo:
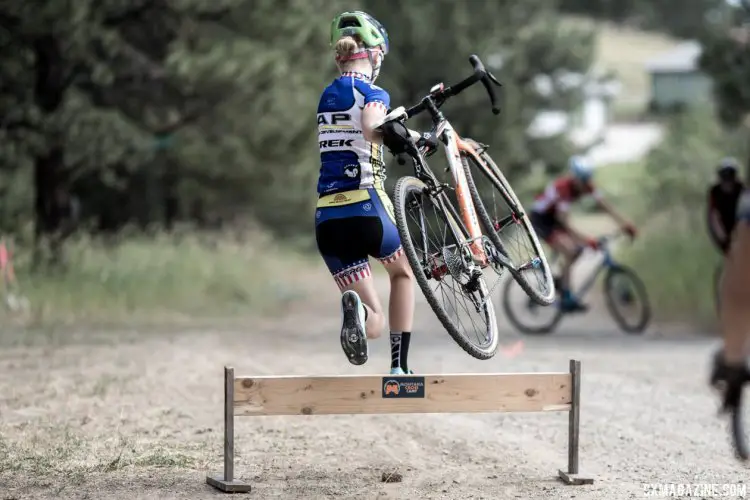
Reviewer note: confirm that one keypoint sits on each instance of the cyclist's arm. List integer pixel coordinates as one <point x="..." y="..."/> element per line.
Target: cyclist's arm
<point x="607" y="207"/>
<point x="376" y="104"/>
<point x="372" y="115"/>
<point x="717" y="227"/>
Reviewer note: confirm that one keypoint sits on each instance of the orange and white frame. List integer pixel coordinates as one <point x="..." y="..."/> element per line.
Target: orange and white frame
<point x="455" y="146"/>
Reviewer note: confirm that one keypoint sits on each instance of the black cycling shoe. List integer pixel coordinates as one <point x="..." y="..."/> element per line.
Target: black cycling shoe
<point x="353" y="336"/>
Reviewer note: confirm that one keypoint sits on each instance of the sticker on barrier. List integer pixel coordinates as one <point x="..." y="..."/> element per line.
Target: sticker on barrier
<point x="375" y="394"/>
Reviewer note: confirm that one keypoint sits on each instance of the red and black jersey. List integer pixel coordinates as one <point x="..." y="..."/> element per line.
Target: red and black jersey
<point x="560" y="193"/>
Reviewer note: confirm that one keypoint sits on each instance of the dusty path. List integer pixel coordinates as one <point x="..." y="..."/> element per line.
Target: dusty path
<point x="138" y="415"/>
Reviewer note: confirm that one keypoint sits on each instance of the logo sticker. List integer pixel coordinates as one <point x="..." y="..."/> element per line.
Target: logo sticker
<point x="403" y="387"/>
<point x="351" y="171"/>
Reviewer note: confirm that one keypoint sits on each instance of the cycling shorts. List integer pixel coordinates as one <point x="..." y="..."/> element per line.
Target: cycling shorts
<point x="350" y="227"/>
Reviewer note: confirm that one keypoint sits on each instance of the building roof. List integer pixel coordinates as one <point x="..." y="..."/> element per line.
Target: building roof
<point x="681" y="59"/>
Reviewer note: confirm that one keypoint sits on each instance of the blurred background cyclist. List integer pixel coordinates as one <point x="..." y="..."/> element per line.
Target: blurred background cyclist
<point x="550" y="218"/>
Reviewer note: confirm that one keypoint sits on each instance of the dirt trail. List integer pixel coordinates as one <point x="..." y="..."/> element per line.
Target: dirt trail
<point x="138" y="415"/>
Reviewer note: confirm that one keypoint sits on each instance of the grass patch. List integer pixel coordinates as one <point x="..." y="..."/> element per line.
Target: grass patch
<point x="622" y="185"/>
<point x="161" y="278"/>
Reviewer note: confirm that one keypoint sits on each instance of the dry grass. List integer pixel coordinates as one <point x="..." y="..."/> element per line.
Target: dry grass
<point x="163" y="279"/>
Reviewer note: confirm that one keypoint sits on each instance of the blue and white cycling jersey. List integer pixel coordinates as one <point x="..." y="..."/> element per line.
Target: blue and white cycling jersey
<point x="348" y="161"/>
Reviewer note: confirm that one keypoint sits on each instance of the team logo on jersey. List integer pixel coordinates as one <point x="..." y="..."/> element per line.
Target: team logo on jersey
<point x="335" y="143"/>
<point x="351" y="171"/>
<point x="333" y="118"/>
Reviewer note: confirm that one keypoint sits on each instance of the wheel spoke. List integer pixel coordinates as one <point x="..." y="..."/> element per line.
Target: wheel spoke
<point x="447" y="267"/>
<point x="509" y="229"/>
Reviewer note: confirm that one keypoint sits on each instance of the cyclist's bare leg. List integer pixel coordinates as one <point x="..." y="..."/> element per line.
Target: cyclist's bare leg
<point x="401" y="302"/>
<point x="400" y="310"/>
<point x="566" y="246"/>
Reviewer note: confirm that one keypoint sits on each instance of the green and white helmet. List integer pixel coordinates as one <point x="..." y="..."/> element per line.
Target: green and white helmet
<point x="365" y="27"/>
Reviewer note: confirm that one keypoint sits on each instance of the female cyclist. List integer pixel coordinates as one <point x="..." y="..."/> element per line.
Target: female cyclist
<point x="354" y="218"/>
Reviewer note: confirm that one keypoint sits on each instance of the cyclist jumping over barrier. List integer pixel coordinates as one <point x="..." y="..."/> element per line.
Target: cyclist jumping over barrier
<point x="354" y="218"/>
<point x="549" y="215"/>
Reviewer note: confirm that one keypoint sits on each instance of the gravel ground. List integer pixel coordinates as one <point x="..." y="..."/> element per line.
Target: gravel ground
<point x="138" y="415"/>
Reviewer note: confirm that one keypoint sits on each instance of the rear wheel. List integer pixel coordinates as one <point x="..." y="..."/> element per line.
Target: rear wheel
<point x="444" y="269"/>
<point x="508" y="226"/>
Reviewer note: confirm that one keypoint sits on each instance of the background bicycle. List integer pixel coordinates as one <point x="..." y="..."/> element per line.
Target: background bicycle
<point x="624" y="292"/>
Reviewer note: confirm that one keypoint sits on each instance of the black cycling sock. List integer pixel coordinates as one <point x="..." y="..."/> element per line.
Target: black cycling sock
<point x="405" y="339"/>
<point x="396" y="346"/>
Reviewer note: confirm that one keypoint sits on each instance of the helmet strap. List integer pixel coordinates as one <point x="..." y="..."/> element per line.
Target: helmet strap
<point x="375" y="62"/>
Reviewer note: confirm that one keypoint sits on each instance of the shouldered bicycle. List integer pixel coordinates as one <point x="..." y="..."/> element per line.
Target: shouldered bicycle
<point x="454" y="248"/>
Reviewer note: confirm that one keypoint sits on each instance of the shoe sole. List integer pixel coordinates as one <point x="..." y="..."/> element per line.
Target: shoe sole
<point x="353" y="338"/>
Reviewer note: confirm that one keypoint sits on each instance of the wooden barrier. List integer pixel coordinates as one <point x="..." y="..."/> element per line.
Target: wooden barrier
<point x="376" y="394"/>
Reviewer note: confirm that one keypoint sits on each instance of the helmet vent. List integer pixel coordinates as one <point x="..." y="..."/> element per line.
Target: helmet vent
<point x="349" y="22"/>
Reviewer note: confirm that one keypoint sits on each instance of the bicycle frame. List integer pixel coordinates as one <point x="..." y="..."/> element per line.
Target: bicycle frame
<point x="606" y="262"/>
<point x="466" y="207"/>
<point x="464" y="224"/>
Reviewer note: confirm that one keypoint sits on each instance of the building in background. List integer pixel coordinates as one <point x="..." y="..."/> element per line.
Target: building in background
<point x="587" y="124"/>
<point x="676" y="80"/>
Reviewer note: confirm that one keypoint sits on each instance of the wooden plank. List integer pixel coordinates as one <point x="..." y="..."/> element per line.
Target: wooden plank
<point x="373" y="394"/>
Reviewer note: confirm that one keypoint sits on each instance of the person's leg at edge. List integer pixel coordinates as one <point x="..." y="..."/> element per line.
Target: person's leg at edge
<point x="735" y="297"/>
<point x="730" y="371"/>
<point x="400" y="310"/>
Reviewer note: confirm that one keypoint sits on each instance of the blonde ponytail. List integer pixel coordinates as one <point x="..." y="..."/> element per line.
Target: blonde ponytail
<point x="345" y="47"/>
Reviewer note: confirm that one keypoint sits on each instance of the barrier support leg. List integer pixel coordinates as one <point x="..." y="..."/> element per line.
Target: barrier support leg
<point x="226" y="482"/>
<point x="574" y="416"/>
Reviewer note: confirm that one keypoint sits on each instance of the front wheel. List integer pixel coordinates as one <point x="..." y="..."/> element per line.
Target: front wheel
<point x="509" y="228"/>
<point x="444" y="269"/>
<point x="626" y="299"/>
<point x="525" y="314"/>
